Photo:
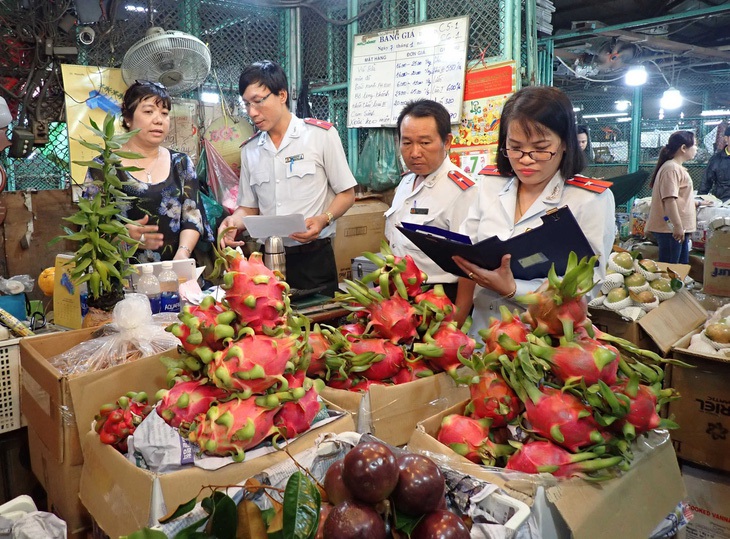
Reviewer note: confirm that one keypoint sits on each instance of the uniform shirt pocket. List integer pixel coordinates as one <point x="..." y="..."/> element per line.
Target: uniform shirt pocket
<point x="260" y="178"/>
<point x="300" y="169"/>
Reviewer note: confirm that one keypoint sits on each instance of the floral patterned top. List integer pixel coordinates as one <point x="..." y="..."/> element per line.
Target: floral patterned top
<point x="173" y="205"/>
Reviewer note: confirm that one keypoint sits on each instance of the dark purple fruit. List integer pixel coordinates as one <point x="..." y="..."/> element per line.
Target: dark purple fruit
<point x="420" y="486"/>
<point x="324" y="511"/>
<point x="334" y="486"/>
<point x="353" y="520"/>
<point x="370" y="472"/>
<point x="441" y="525"/>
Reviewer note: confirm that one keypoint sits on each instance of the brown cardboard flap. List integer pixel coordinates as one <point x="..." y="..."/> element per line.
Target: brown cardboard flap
<point x="631" y="505"/>
<point x="673" y="319"/>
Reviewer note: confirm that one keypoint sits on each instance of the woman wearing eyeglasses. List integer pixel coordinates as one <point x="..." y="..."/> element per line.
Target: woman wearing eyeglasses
<point x="537" y="160"/>
<point x="170" y="216"/>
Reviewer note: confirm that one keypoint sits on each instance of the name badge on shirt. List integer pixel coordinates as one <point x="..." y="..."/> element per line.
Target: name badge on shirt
<point x="293" y="158"/>
<point x="419" y="211"/>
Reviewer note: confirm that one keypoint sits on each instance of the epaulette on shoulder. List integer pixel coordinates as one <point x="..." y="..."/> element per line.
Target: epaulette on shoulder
<point x="489" y="170"/>
<point x="318" y="123"/>
<point x="249" y="139"/>
<point x="405" y="173"/>
<point x="463" y="181"/>
<point x="589" y="184"/>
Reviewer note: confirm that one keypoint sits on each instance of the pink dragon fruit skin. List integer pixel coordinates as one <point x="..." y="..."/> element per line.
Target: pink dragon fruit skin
<point x="182" y="403"/>
<point x="464" y="435"/>
<point x="442" y="348"/>
<point x="642" y="416"/>
<point x="412" y="277"/>
<point x="562" y="418"/>
<point x="583" y="358"/>
<point x="252" y="364"/>
<point x="414" y="370"/>
<point x="253" y="291"/>
<point x="435" y="301"/>
<point x="394" y="357"/>
<point x="546" y="457"/>
<point x="318" y="344"/>
<point x="510" y="325"/>
<point x="208" y="324"/>
<point x="295" y="418"/>
<point x="492" y="398"/>
<point x="394" y="319"/>
<point x="230" y="428"/>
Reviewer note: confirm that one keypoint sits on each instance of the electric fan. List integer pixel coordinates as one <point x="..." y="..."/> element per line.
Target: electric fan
<point x="177" y="60"/>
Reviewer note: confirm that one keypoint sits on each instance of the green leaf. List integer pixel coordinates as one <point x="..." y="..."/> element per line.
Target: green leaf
<point x="109" y="126"/>
<point x="77" y="218"/>
<point x="78" y="236"/>
<point x="124" y="154"/>
<point x="90" y="164"/>
<point x="90" y="145"/>
<point x="301" y="507"/>
<point x="224" y="520"/>
<point x="191" y="532"/>
<point x="146" y="533"/>
<point x="182" y="509"/>
<point x="406" y="523"/>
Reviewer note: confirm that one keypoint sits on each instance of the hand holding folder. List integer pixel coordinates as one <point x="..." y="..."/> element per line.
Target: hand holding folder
<point x="533" y="251"/>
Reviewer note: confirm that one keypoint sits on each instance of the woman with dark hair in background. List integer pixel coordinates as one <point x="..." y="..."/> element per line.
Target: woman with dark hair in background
<point x="584" y="143"/>
<point x="169" y="214"/>
<point x="538" y="159"/>
<point x="673" y="216"/>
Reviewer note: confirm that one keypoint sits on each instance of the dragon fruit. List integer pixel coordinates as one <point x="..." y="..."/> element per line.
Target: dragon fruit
<point x="318" y="346"/>
<point x="185" y="400"/>
<point x="393" y="357"/>
<point x="355" y="329"/>
<point x="415" y="369"/>
<point x="493" y="399"/>
<point x="546" y="457"/>
<point x="642" y="402"/>
<point x="394" y="273"/>
<point x="504" y="336"/>
<point x="581" y="359"/>
<point x="295" y="418"/>
<point x="464" y="435"/>
<point x="559" y="305"/>
<point x="364" y="384"/>
<point x="116" y="422"/>
<point x="445" y="346"/>
<point x="255" y="293"/>
<point x="252" y="364"/>
<point x="206" y="325"/>
<point x="432" y="305"/>
<point x="230" y="428"/>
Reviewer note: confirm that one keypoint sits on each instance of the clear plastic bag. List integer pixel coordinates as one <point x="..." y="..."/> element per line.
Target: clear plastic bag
<point x="377" y="166"/>
<point x="133" y="334"/>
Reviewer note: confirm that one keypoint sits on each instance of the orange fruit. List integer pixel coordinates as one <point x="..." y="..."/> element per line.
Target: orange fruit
<point x="46" y="280"/>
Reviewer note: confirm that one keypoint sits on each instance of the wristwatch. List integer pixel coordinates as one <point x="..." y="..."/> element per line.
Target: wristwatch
<point x="330" y="217"/>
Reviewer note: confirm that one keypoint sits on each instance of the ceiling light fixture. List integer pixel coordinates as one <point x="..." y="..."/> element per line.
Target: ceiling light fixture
<point x="605" y="115"/>
<point x="715" y="112"/>
<point x="672" y="99"/>
<point x="622" y="105"/>
<point x="635" y="76"/>
<point x="210" y="97"/>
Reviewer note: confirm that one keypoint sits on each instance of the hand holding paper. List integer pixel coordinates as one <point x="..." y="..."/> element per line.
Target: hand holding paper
<point x="264" y="226"/>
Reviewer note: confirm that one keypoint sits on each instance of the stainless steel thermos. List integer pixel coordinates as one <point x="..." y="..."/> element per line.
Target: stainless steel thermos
<point x="274" y="256"/>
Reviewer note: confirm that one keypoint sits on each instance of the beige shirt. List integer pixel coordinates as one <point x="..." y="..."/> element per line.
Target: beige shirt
<point x="672" y="181"/>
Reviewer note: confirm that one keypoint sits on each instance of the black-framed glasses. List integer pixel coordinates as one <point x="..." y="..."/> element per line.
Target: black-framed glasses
<point x="256" y="102"/>
<point x="535" y="155"/>
<point x="151" y="83"/>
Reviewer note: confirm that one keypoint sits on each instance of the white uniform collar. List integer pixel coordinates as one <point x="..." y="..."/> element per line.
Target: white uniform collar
<point x="550" y="196"/>
<point x="294" y="130"/>
<point x="431" y="179"/>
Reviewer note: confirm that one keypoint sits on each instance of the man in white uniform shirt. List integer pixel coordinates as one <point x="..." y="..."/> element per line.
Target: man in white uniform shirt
<point x="434" y="191"/>
<point x="291" y="165"/>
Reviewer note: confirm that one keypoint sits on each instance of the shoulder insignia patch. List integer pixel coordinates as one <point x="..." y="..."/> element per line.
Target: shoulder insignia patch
<point x="318" y="123"/>
<point x="490" y="170"/>
<point x="461" y="180"/>
<point x="249" y="139"/>
<point x="589" y="184"/>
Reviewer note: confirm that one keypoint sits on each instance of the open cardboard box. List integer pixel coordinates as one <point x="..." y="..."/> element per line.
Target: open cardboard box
<point x="658" y="329"/>
<point x="123" y="498"/>
<point x="630" y="506"/>
<point x="708" y="496"/>
<point x="392" y="412"/>
<point x="703" y="411"/>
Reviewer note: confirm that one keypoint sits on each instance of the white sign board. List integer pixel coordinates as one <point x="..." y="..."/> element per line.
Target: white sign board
<point x="392" y="67"/>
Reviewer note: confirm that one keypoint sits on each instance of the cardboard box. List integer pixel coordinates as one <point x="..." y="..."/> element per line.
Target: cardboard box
<point x="46" y="398"/>
<point x="361" y="229"/>
<point x="708" y="496"/>
<point x="630" y="506"/>
<point x="123" y="498"/>
<point x="658" y="329"/>
<point x="703" y="412"/>
<point x="716" y="279"/>
<point x="392" y="412"/>
<point x="61" y="483"/>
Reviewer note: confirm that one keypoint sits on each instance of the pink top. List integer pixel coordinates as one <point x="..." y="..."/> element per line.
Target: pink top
<point x="672" y="181"/>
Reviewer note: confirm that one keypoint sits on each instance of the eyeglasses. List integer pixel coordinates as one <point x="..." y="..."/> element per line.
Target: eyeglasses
<point x="150" y="83"/>
<point x="256" y="102"/>
<point x="535" y="155"/>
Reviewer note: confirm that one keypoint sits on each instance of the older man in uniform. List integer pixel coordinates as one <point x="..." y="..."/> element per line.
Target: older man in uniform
<point x="434" y="191"/>
<point x="292" y="165"/>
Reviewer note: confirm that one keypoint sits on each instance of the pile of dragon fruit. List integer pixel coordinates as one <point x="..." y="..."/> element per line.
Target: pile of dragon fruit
<point x="241" y="377"/>
<point x="551" y="393"/>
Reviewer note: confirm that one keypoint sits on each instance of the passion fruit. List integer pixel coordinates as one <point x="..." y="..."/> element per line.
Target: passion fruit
<point x="420" y="486"/>
<point x="617" y="294"/>
<point x="635" y="279"/>
<point x="370" y="472"/>
<point x="661" y="284"/>
<point x="355" y="521"/>
<point x="624" y="260"/>
<point x="441" y="524"/>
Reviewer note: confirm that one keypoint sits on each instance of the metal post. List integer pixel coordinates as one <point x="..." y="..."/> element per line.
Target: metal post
<point x="352" y="134"/>
<point x="292" y="24"/>
<point x="421" y="10"/>
<point x="507" y="30"/>
<point x="531" y="75"/>
<point x="516" y="41"/>
<point x="635" y="142"/>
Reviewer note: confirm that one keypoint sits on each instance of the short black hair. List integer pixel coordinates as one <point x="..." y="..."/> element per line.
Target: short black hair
<point x="536" y="108"/>
<point x="138" y="92"/>
<point x="266" y="73"/>
<point x="426" y="108"/>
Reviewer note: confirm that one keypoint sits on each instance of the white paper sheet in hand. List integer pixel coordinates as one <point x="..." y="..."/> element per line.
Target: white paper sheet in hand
<point x="263" y="226"/>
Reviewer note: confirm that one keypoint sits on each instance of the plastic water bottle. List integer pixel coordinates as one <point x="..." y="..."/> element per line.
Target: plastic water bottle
<point x="669" y="224"/>
<point x="169" y="286"/>
<point x="150" y="287"/>
<point x="84" y="298"/>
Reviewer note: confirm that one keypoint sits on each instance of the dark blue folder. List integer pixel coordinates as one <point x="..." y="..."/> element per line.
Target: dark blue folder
<point x="533" y="251"/>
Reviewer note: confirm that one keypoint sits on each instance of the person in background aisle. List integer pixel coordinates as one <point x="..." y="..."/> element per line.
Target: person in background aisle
<point x="168" y="210"/>
<point x="434" y="191"/>
<point x="291" y="165"/>
<point x="673" y="214"/>
<point x="584" y="143"/>
<point x="717" y="174"/>
<point x="538" y="159"/>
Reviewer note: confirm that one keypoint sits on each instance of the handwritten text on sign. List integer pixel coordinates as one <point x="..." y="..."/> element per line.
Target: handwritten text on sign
<point x="393" y="67"/>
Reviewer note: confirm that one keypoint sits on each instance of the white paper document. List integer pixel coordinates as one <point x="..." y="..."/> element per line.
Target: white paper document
<point x="264" y="226"/>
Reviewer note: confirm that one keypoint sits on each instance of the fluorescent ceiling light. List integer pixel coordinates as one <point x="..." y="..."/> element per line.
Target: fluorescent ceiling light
<point x="210" y="97"/>
<point x="577" y="109"/>
<point x="715" y="112"/>
<point x="635" y="76"/>
<point x="622" y="105"/>
<point x="672" y="99"/>
<point x="627" y="119"/>
<point x="605" y="115"/>
<point x="713" y="122"/>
